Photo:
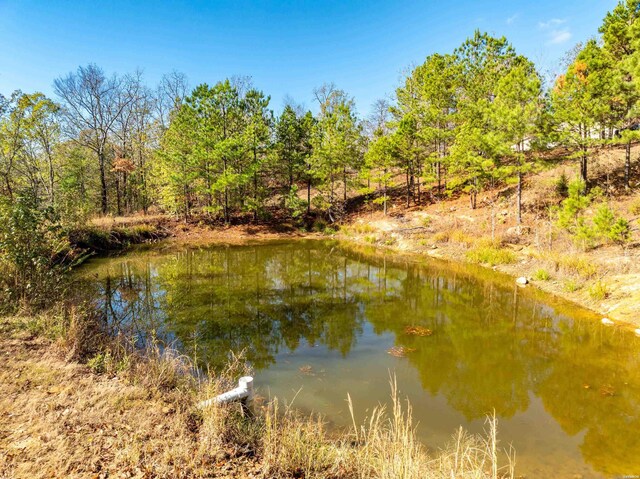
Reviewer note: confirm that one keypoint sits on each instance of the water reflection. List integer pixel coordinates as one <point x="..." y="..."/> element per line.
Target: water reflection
<point x="493" y="348"/>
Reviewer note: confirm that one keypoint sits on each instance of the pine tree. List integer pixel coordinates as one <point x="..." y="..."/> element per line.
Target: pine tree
<point x="483" y="61"/>
<point x="620" y="32"/>
<point x="579" y="102"/>
<point x="337" y="142"/>
<point x="517" y="108"/>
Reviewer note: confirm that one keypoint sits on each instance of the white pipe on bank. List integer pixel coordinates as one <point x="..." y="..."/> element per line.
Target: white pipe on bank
<point x="243" y="393"/>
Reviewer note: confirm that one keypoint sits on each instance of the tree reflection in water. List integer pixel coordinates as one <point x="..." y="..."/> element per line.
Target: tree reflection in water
<point x="493" y="347"/>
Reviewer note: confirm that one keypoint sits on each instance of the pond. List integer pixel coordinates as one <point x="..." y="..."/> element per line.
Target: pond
<point x="318" y="320"/>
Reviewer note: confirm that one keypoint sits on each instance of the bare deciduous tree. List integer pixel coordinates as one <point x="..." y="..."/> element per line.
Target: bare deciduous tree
<point x="92" y="103"/>
<point x="170" y="93"/>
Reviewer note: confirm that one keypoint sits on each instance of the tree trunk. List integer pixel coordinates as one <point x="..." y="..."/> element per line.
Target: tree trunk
<point x="627" y="166"/>
<point x="474" y="194"/>
<point x="290" y="176"/>
<point x="519" y="197"/>
<point x="143" y="179"/>
<point x="208" y="180"/>
<point x="583" y="167"/>
<point x="7" y="182"/>
<point x="125" y="190"/>
<point x="186" y="203"/>
<point x="103" y="183"/>
<point x="226" y="194"/>
<point x="417" y="198"/>
<point x="118" y="196"/>
<point x="384" y="202"/>
<point x="344" y="180"/>
<point x="408" y="188"/>
<point x="51" y="180"/>
<point x="583" y="158"/>
<point x="255" y="185"/>
<point x="331" y="196"/>
<point x="255" y="196"/>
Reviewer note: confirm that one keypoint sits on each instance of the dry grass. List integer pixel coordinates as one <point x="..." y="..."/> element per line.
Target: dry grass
<point x="358" y="228"/>
<point x="541" y="274"/>
<point x="460" y="237"/>
<point x="441" y="237"/>
<point x="490" y="253"/>
<point x="577" y="265"/>
<point x="138" y="418"/>
<point x="599" y="291"/>
<point x="383" y="447"/>
<point x="454" y="235"/>
<point x="112" y="221"/>
<point x="59" y="420"/>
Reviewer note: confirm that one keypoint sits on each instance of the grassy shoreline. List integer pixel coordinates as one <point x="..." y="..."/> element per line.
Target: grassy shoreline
<point x="134" y="414"/>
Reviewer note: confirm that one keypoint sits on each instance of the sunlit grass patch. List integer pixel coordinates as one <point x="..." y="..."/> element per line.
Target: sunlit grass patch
<point x="599" y="291"/>
<point x="541" y="275"/>
<point x="441" y="237"/>
<point x="578" y="265"/>
<point x="360" y="228"/>
<point x="571" y="285"/>
<point x="491" y="254"/>
<point x="460" y="237"/>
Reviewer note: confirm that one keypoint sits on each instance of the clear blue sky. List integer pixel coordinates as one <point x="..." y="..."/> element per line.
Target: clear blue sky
<point x="287" y="47"/>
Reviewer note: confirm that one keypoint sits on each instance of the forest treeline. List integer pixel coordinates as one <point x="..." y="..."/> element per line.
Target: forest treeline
<point x="461" y="121"/>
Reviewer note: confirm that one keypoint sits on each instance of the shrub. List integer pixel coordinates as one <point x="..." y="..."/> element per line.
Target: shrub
<point x="362" y="228"/>
<point x="541" y="275"/>
<point x="319" y="225"/>
<point x="562" y="185"/>
<point x="605" y="227"/>
<point x="572" y="208"/>
<point x="570" y="214"/>
<point x="458" y="236"/>
<point x="599" y="291"/>
<point x="577" y="265"/>
<point x="441" y="237"/>
<point x="296" y="206"/>
<point x="100" y="362"/>
<point x="491" y="255"/>
<point x="584" y="235"/>
<point x="34" y="253"/>
<point x="571" y="285"/>
<point x="620" y="232"/>
<point x="609" y="227"/>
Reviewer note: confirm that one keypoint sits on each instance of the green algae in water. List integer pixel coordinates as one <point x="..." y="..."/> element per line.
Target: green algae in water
<point x="316" y="321"/>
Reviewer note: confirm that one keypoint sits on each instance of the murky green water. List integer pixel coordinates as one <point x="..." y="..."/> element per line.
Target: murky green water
<point x="316" y="321"/>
